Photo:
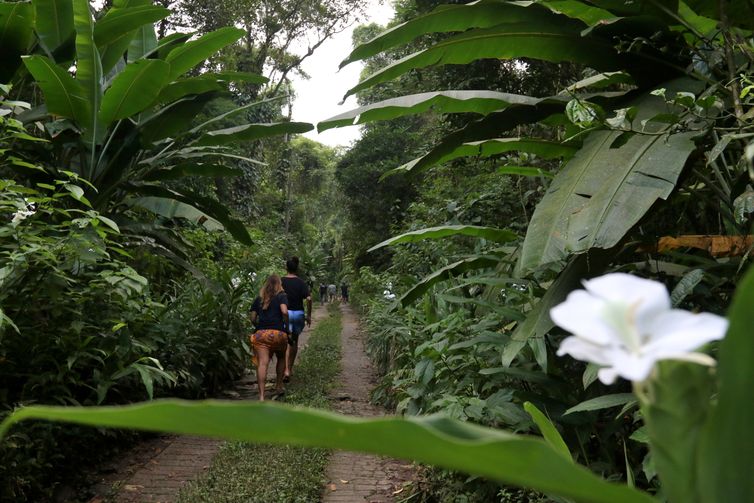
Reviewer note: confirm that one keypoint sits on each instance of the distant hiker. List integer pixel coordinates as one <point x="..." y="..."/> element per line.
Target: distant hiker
<point x="344" y="292"/>
<point x="332" y="291"/>
<point x="298" y="292"/>
<point x="322" y="293"/>
<point x="269" y="314"/>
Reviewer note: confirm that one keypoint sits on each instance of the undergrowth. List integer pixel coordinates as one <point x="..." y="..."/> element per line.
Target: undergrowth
<point x="273" y="473"/>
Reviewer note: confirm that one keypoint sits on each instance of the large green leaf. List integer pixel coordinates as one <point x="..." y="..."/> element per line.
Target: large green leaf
<point x="499" y="455"/>
<point x="602" y="192"/>
<point x="446" y="102"/>
<point x="54" y="22"/>
<point x="600" y="80"/>
<point x="190" y="54"/>
<point x="447" y="272"/>
<point x="701" y="24"/>
<point x="489" y="233"/>
<point x="142" y="43"/>
<point x="16" y="33"/>
<point x="739" y="12"/>
<point x="491" y="126"/>
<point x="63" y="94"/>
<point x="448" y="18"/>
<point x="170" y="208"/>
<point x="548" y="431"/>
<point x="602" y="402"/>
<point x="193" y="169"/>
<point x="248" y="132"/>
<point x="134" y="89"/>
<point x="555" y="40"/>
<point x="123" y="22"/>
<point x="88" y="69"/>
<point x="185" y="87"/>
<point x="487" y="148"/>
<point x="577" y="9"/>
<point x="206" y="82"/>
<point x="127" y="30"/>
<point x="538" y="323"/>
<point x="169" y="43"/>
<point x="726" y="455"/>
<point x="172" y="118"/>
<point x="206" y="205"/>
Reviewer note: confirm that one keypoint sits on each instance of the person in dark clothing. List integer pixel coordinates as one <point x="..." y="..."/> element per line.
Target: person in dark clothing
<point x="344" y="292"/>
<point x="298" y="294"/>
<point x="322" y="293"/>
<point x="269" y="313"/>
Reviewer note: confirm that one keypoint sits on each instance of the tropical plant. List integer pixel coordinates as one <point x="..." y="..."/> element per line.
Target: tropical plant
<point x="711" y="467"/>
<point x="123" y="119"/>
<point x="663" y="85"/>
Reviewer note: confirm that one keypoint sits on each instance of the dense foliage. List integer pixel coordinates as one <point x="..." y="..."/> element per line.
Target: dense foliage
<point x="134" y="180"/>
<point x="510" y="150"/>
<point x="625" y="152"/>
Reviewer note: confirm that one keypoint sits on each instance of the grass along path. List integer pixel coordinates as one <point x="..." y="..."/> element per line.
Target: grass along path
<point x="267" y="474"/>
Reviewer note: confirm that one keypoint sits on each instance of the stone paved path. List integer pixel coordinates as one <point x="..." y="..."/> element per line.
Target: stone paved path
<point x="165" y="464"/>
<point x="177" y="460"/>
<point x="353" y="477"/>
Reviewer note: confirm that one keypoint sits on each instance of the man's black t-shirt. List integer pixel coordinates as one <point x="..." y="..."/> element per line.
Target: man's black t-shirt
<point x="297" y="290"/>
<point x="272" y="317"/>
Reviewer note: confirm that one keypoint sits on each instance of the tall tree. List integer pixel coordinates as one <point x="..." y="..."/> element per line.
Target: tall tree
<point x="279" y="34"/>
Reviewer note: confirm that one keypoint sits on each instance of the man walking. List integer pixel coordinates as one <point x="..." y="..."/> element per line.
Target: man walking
<point x="322" y="293"/>
<point x="298" y="293"/>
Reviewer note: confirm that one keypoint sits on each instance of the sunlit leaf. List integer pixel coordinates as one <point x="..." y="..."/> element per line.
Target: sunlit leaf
<point x="443" y="102"/>
<point x="248" y="132"/>
<point x="548" y="431"/>
<point x="185" y="57"/>
<point x="445" y="273"/>
<point x="602" y="402"/>
<point x="495" y="454"/>
<point x="553" y="40"/>
<point x="489" y="233"/>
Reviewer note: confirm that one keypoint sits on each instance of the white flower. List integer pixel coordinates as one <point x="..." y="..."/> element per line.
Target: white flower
<point x="626" y="324"/>
<point x="235" y="282"/>
<point x="21" y="215"/>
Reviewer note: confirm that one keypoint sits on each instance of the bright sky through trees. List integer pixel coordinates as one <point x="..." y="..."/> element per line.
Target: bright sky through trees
<point x="317" y="98"/>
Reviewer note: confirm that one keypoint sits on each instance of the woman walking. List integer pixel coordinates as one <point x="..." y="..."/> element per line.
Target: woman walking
<point x="298" y="294"/>
<point x="269" y="313"/>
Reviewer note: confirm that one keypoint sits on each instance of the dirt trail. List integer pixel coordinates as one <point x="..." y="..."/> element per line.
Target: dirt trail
<point x="156" y="469"/>
<point x="352" y="477"/>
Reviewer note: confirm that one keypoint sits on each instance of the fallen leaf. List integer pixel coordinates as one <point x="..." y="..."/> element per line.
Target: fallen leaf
<point x="132" y="487"/>
<point x="332" y="487"/>
<point x="343" y="481"/>
<point x="398" y="491"/>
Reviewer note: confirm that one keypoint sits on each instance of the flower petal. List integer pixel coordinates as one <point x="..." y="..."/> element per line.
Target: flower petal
<point x="581" y="315"/>
<point x="584" y="350"/>
<point x="628" y="289"/>
<point x="630" y="366"/>
<point x="607" y="375"/>
<point x="678" y="331"/>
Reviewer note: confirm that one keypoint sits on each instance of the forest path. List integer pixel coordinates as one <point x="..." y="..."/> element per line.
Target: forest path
<point x="156" y="469"/>
<point x="353" y="477"/>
